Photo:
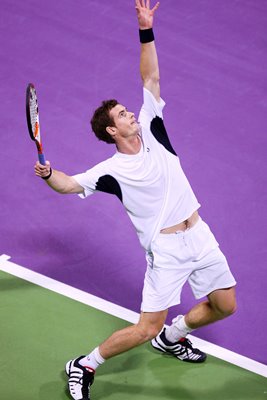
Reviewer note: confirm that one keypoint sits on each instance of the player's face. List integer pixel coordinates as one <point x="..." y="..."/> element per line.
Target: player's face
<point x="124" y="120"/>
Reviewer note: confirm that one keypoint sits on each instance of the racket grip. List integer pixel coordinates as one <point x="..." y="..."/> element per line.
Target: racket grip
<point x="41" y="157"/>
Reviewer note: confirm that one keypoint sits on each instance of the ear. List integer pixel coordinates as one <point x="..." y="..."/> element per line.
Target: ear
<point x="111" y="130"/>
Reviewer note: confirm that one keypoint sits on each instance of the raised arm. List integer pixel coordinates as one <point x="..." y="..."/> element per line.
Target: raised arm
<point x="57" y="180"/>
<point x="149" y="67"/>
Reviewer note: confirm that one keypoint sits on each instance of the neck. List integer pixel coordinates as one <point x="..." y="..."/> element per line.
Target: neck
<point x="130" y="146"/>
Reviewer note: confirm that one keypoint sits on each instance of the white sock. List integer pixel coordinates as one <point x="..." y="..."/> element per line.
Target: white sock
<point x="177" y="330"/>
<point x="92" y="360"/>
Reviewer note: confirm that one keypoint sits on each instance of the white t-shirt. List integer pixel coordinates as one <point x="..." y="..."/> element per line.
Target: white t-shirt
<point x="151" y="184"/>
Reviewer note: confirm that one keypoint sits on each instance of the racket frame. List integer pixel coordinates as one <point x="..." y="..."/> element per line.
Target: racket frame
<point x="31" y="96"/>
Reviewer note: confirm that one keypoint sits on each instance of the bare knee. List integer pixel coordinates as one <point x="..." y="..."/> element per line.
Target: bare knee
<point x="223" y="302"/>
<point x="231" y="309"/>
<point x="153" y="331"/>
<point x="150" y="324"/>
<point x="148" y="332"/>
<point x="225" y="310"/>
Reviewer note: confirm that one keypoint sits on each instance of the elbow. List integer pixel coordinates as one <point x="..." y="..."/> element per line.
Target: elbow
<point x="152" y="80"/>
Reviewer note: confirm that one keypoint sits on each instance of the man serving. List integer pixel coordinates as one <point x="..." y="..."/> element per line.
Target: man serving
<point x="146" y="176"/>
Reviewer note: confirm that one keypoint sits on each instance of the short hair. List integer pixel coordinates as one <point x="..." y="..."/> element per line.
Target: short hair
<point x="101" y="120"/>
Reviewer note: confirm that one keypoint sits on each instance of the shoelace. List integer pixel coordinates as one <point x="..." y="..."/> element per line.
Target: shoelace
<point x="188" y="342"/>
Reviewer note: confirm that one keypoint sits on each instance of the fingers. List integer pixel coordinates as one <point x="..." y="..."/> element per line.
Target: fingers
<point x="138" y="5"/>
<point x="145" y="4"/>
<point x="143" y="9"/>
<point x="155" y="7"/>
<point x="42" y="170"/>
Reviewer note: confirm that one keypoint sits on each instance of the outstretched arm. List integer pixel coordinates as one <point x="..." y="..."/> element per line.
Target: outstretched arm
<point x="57" y="180"/>
<point x="149" y="67"/>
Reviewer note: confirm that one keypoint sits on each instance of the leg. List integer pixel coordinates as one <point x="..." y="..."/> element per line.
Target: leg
<point x="220" y="304"/>
<point x="81" y="376"/>
<point x="209" y="267"/>
<point x="149" y="325"/>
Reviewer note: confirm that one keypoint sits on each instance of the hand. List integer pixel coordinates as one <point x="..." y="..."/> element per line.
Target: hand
<point x="144" y="14"/>
<point x="42" y="170"/>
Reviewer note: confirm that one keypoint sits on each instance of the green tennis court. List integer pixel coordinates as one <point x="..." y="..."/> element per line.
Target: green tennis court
<point x="41" y="330"/>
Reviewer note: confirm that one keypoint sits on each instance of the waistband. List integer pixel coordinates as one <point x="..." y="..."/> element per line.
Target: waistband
<point x="183" y="226"/>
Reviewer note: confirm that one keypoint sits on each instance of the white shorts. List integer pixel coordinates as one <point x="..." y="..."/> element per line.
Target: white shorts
<point x="192" y="256"/>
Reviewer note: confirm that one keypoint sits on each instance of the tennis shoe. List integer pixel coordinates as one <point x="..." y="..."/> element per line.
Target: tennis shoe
<point x="182" y="349"/>
<point x="80" y="379"/>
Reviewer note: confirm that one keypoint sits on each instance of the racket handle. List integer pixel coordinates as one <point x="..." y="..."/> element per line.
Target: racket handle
<point x="41" y="157"/>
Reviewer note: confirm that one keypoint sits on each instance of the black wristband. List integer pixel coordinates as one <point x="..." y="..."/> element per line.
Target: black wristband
<point x="48" y="176"/>
<point x="146" y="35"/>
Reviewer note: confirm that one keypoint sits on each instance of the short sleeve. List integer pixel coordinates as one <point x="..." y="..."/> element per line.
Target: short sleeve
<point x="151" y="108"/>
<point x="88" y="179"/>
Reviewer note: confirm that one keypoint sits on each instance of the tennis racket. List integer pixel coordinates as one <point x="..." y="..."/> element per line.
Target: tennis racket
<point x="32" y="113"/>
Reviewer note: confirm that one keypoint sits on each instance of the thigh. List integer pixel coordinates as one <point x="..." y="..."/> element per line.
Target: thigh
<point x="211" y="273"/>
<point x="167" y="271"/>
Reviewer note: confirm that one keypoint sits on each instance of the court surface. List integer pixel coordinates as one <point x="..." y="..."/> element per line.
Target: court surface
<point x="42" y="329"/>
<point x="213" y="59"/>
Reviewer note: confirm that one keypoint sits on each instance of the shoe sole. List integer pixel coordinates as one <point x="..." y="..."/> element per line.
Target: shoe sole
<point x="157" y="347"/>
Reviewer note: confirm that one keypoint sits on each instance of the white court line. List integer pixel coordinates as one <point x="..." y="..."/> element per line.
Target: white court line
<point x="122" y="313"/>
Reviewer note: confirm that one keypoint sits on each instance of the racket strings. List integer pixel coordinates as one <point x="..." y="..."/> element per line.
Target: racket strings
<point x="34" y="115"/>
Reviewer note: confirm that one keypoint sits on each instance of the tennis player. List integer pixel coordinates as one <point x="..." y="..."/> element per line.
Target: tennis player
<point x="146" y="176"/>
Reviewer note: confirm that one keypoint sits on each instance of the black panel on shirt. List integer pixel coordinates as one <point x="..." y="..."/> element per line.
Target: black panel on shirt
<point x="108" y="184"/>
<point x="159" y="132"/>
